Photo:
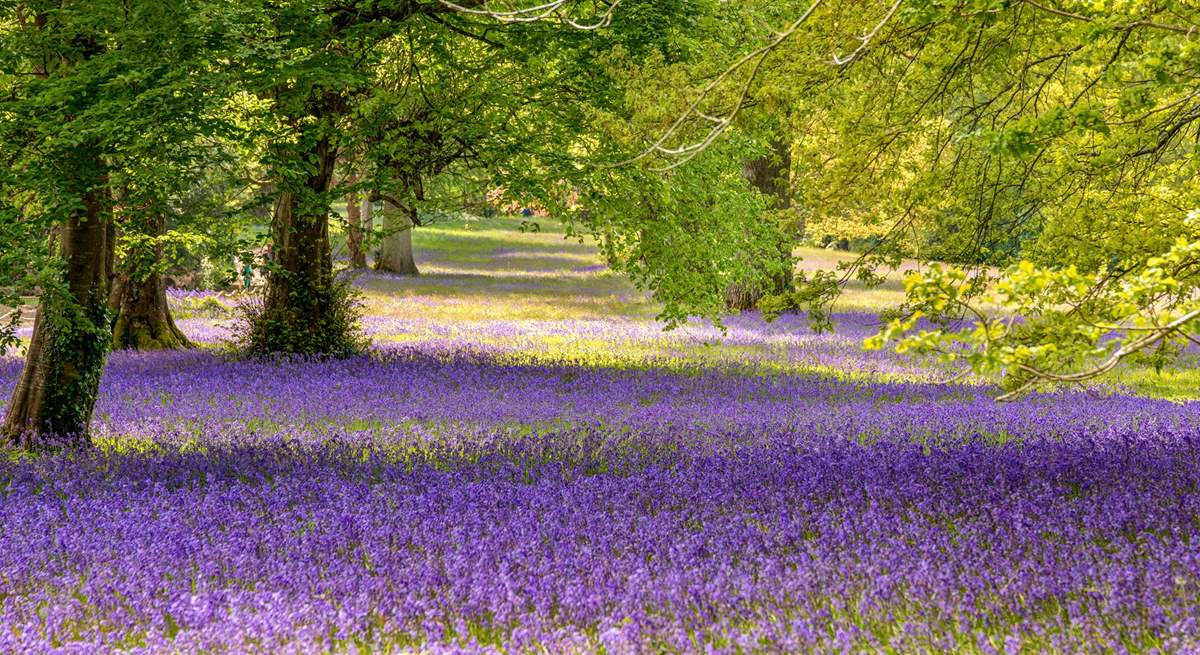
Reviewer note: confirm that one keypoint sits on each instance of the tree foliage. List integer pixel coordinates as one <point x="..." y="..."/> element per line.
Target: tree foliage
<point x="1056" y="140"/>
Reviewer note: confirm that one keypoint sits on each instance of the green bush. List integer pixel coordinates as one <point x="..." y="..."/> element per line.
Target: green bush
<point x="323" y="323"/>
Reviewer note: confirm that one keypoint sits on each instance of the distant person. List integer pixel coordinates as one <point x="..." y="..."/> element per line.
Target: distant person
<point x="247" y="275"/>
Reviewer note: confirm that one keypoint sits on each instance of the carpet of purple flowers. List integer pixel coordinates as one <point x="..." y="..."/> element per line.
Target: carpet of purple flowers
<point x="447" y="499"/>
<point x="526" y="487"/>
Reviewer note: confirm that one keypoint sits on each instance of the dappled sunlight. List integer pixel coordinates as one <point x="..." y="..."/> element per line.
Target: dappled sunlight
<point x="540" y="327"/>
<point x="622" y="483"/>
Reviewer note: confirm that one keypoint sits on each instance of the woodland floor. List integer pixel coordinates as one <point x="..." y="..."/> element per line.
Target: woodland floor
<point x="526" y="462"/>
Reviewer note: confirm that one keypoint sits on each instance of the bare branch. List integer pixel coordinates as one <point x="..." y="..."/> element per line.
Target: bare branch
<point x="534" y="13"/>
<point x="1107" y="365"/>
<point x="752" y="61"/>
<point x="866" y="39"/>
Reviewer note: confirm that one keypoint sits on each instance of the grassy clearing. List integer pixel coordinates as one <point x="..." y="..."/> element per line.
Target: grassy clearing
<point x="477" y="272"/>
<point x="488" y="269"/>
<point x="541" y="297"/>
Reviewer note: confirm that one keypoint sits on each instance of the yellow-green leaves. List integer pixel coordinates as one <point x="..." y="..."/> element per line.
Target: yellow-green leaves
<point x="1036" y="324"/>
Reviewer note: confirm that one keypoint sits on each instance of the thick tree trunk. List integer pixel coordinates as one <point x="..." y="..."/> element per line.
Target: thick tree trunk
<point x="300" y="312"/>
<point x="770" y="175"/>
<point x="139" y="298"/>
<point x="53" y="401"/>
<point x="395" y="250"/>
<point x="144" y="320"/>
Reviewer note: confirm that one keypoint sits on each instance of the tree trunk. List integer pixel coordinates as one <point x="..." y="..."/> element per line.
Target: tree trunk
<point x="354" y="232"/>
<point x="395" y="251"/>
<point x="53" y="401"/>
<point x="770" y="175"/>
<point x="139" y="298"/>
<point x="356" y="210"/>
<point x="300" y="314"/>
<point x="368" y="222"/>
<point x="144" y="319"/>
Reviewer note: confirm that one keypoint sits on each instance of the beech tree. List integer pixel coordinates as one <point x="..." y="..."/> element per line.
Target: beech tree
<point x="184" y="199"/>
<point x="1053" y="141"/>
<point x="318" y="65"/>
<point x="138" y="295"/>
<point x="505" y="107"/>
<point x="1050" y="140"/>
<point x="90" y="89"/>
<point x="97" y="89"/>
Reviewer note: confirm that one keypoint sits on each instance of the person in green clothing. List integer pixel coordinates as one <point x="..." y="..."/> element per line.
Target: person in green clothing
<point x="247" y="274"/>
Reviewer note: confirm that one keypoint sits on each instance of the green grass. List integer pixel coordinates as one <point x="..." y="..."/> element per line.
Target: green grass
<point x="1180" y="382"/>
<point x="487" y="269"/>
<point x="483" y="270"/>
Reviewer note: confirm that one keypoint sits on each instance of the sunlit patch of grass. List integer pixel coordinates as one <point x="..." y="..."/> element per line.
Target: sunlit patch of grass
<point x="208" y="306"/>
<point x="668" y="353"/>
<point x="1180" y="382"/>
<point x="125" y="445"/>
<point x="488" y="269"/>
<point x="486" y="283"/>
<point x="486" y="300"/>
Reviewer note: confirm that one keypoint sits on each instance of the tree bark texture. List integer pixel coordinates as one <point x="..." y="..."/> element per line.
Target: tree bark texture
<point x="368" y="222"/>
<point x="358" y="218"/>
<point x="395" y="250"/>
<point x="139" y="297"/>
<point x="53" y="400"/>
<point x="300" y="312"/>
<point x="354" y="232"/>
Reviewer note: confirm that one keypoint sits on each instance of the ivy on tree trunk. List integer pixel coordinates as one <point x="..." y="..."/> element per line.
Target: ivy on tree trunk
<point x="305" y="311"/>
<point x="57" y="390"/>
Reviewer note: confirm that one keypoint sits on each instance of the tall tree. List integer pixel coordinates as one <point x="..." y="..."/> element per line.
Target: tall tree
<point x="92" y="86"/>
<point x="395" y="248"/>
<point x="181" y="198"/>
<point x="319" y="68"/>
<point x="57" y="388"/>
<point x="770" y="174"/>
<point x="457" y="102"/>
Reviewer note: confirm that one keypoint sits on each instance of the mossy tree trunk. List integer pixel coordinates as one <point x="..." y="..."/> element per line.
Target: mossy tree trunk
<point x="298" y="313"/>
<point x="139" y="297"/>
<point x="53" y="400"/>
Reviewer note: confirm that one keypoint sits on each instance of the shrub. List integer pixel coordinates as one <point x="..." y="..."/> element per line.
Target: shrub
<point x="325" y="326"/>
